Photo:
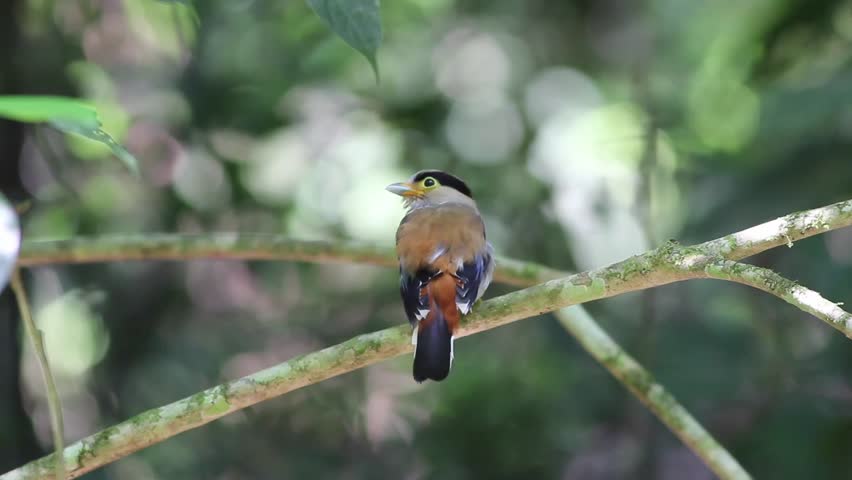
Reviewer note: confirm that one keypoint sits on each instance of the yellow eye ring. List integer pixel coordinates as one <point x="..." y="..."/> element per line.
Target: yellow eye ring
<point x="430" y="182"/>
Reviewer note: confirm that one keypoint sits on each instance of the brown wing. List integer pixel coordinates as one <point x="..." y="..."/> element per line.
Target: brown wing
<point x="439" y="238"/>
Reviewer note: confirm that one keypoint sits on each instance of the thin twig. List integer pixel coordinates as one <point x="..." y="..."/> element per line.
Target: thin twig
<point x="52" y="160"/>
<point x="37" y="342"/>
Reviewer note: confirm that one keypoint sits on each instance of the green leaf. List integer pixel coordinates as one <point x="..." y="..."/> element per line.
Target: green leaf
<point x="67" y="114"/>
<point x="10" y="240"/>
<point x="357" y="22"/>
<point x="26" y="108"/>
<point x="101" y="136"/>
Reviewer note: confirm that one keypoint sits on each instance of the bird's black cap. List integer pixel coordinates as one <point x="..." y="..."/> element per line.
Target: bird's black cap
<point x="445" y="179"/>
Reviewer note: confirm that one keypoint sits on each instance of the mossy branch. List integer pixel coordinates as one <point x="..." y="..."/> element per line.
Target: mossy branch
<point x="646" y="388"/>
<point x="238" y="246"/>
<point x="575" y="319"/>
<point x="791" y="292"/>
<point x="666" y="264"/>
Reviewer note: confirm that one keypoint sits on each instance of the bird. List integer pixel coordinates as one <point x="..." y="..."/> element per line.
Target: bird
<point x="445" y="264"/>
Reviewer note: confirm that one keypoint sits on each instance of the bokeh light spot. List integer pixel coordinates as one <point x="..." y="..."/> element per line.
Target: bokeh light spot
<point x="74" y="334"/>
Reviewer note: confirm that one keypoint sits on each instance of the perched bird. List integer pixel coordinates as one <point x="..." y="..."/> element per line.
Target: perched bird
<point x="445" y="264"/>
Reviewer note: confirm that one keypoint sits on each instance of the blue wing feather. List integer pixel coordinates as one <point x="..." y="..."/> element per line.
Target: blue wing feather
<point x="474" y="277"/>
<point x="414" y="299"/>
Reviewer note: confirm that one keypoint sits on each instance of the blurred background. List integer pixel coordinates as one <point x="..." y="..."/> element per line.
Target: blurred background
<point x="589" y="130"/>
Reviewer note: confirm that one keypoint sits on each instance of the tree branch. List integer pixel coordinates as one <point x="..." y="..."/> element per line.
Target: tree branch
<point x="789" y="291"/>
<point x="736" y="246"/>
<point x="781" y="231"/>
<point x="578" y="322"/>
<point x="645" y="387"/>
<point x="238" y="246"/>
<point x="666" y="264"/>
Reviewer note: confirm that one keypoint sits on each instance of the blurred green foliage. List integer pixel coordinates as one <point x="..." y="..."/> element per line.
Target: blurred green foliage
<point x="588" y="130"/>
<point x="66" y="114"/>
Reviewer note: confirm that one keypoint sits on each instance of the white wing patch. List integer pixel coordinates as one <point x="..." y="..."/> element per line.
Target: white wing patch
<point x="459" y="263"/>
<point x="464" y="308"/>
<point x="420" y="314"/>
<point x="440" y="250"/>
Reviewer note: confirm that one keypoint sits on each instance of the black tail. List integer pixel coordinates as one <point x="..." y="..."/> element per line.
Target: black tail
<point x="434" y="350"/>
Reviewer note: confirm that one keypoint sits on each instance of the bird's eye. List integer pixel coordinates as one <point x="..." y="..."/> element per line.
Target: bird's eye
<point x="429" y="182"/>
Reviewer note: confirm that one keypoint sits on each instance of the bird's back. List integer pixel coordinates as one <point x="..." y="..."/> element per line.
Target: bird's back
<point x="439" y="237"/>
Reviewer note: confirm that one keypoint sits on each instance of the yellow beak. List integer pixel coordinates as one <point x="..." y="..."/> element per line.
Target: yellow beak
<point x="404" y="189"/>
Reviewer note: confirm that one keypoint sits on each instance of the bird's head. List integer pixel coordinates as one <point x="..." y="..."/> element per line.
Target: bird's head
<point x="432" y="187"/>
